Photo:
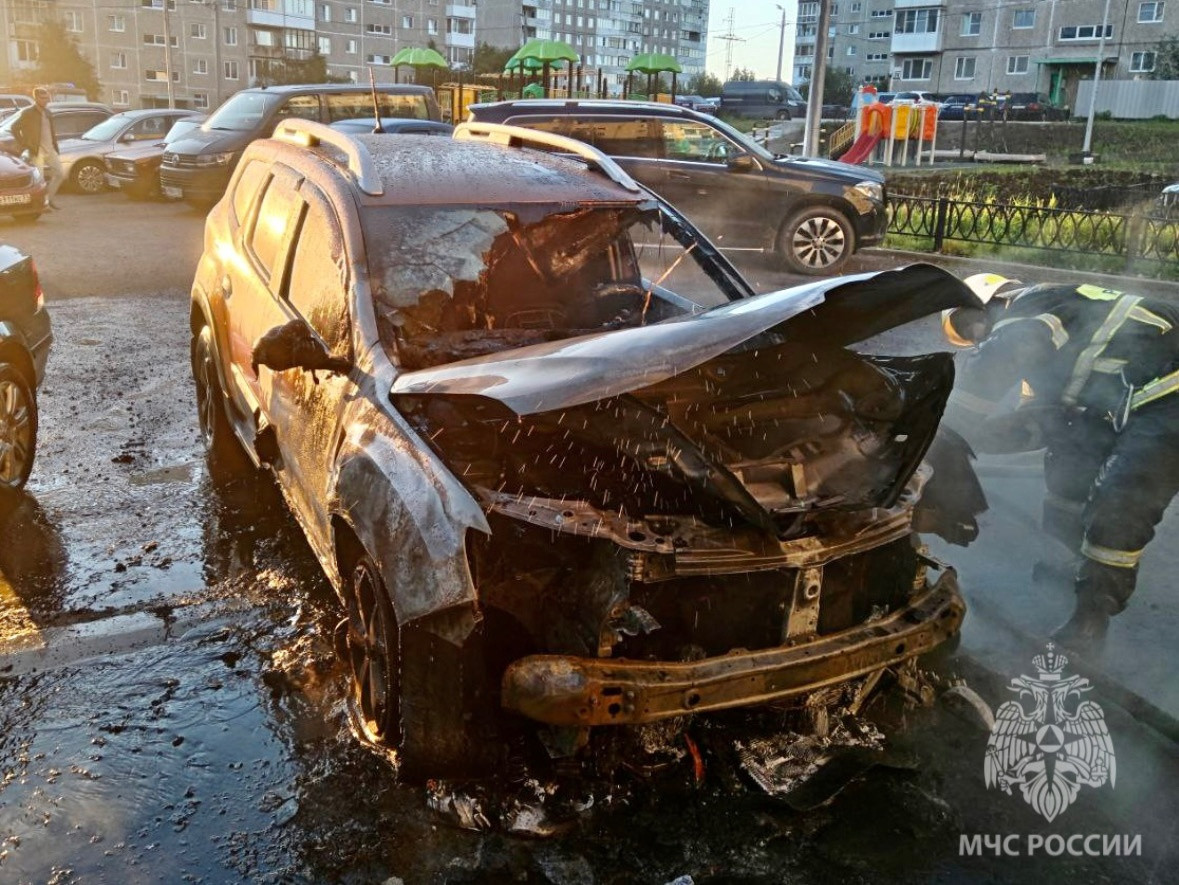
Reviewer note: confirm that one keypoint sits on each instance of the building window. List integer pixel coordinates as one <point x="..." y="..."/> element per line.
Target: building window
<point x="325" y="12"/>
<point x="971" y="24"/>
<point x="879" y="35"/>
<point x="1023" y="18"/>
<point x="378" y="30"/>
<point x="1149" y="13"/>
<point x="324" y="45"/>
<point x="917" y="21"/>
<point x="407" y="21"/>
<point x="916" y="69"/>
<point x="856" y="7"/>
<point x="963" y="68"/>
<point x="876" y="56"/>
<point x="228" y="5"/>
<point x="120" y="98"/>
<point x="1085" y="32"/>
<point x="350" y="47"/>
<point x="198" y="32"/>
<point x="881" y="13"/>
<point x="73" y="21"/>
<point x="158" y="40"/>
<point x="231" y="36"/>
<point x="116" y="23"/>
<point x="350" y="15"/>
<point x="851" y="50"/>
<point x="157" y="4"/>
<point x="230" y="70"/>
<point x="200" y="66"/>
<point x="432" y="26"/>
<point x="378" y="59"/>
<point x="263" y="37"/>
<point x="1017" y="64"/>
<point x="1141" y="62"/>
<point x="119" y="61"/>
<point x="26" y="50"/>
<point x="853" y="29"/>
<point x="200" y="100"/>
<point x="157" y="75"/>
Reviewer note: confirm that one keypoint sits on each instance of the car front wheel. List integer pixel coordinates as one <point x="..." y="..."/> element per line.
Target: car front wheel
<point x="373" y="655"/>
<point x="816" y="240"/>
<point x="89" y="178"/>
<point x="18" y="428"/>
<point x="221" y="445"/>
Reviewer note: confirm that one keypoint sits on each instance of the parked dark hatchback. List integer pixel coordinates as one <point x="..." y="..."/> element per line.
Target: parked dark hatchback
<point x="197" y="168"/>
<point x="810" y="213"/>
<point x="135" y="170"/>
<point x="25" y="337"/>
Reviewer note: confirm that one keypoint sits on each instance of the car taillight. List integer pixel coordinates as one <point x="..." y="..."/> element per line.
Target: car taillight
<point x="38" y="292"/>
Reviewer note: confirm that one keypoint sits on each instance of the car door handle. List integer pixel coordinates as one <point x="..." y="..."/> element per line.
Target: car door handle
<point x="679" y="176"/>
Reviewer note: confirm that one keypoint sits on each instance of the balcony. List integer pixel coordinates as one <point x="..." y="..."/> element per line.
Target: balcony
<point x="464" y="41"/>
<point x="918" y="4"/>
<point x="456" y="10"/>
<point x="908" y="44"/>
<point x="280" y="17"/>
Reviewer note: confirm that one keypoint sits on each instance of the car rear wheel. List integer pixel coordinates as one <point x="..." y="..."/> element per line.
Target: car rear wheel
<point x="373" y="652"/>
<point x="18" y="428"/>
<point x="816" y="240"/>
<point x="782" y="115"/>
<point x="221" y="445"/>
<point x="88" y="177"/>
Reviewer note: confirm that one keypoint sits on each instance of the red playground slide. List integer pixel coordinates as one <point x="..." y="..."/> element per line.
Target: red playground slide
<point x="862" y="149"/>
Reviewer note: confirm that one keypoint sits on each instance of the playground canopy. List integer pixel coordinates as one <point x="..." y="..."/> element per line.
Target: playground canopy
<point x="419" y="57"/>
<point x="654" y="63"/>
<point x="543" y="51"/>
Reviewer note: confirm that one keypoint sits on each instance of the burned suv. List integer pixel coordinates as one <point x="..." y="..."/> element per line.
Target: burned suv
<point x="567" y="473"/>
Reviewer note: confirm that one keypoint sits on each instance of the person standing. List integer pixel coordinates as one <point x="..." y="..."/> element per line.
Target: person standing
<point x="37" y="138"/>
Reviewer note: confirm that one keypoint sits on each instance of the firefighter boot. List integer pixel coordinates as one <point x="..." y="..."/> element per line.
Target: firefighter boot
<point x="1085" y="631"/>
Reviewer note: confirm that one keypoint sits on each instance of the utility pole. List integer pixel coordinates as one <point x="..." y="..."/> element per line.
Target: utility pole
<point x="730" y="37"/>
<point x="781" y="41"/>
<point x="814" y="107"/>
<point x="168" y="56"/>
<point x="1096" y="82"/>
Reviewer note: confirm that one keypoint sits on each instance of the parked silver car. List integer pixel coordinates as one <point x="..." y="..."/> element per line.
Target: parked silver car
<point x="82" y="157"/>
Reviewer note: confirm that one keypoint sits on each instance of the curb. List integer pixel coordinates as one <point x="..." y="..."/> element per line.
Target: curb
<point x="1032" y="273"/>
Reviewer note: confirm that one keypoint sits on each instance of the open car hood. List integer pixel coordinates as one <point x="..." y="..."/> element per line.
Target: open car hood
<point x="560" y="374"/>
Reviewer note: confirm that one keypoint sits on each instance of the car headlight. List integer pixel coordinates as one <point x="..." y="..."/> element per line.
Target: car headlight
<point x="223" y="159"/>
<point x="872" y="190"/>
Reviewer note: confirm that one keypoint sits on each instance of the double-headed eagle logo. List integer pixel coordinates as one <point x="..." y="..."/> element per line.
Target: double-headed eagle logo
<point x="1054" y="748"/>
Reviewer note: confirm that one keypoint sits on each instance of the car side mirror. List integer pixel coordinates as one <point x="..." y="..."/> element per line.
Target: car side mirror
<point x="127" y="137"/>
<point x="742" y="163"/>
<point x="294" y="346"/>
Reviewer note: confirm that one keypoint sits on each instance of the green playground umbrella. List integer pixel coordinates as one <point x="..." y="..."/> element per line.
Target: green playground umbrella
<point x="529" y="64"/>
<point x="654" y="63"/>
<point x="544" y="51"/>
<point x="419" y="57"/>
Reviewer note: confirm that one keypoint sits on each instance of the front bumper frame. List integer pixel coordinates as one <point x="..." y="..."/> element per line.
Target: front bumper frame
<point x="565" y="690"/>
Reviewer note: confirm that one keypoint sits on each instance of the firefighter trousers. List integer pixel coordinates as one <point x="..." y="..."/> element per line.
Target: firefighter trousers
<point x="1108" y="491"/>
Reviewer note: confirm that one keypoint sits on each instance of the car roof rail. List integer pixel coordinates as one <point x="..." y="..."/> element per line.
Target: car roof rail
<point x="518" y="136"/>
<point x="311" y="134"/>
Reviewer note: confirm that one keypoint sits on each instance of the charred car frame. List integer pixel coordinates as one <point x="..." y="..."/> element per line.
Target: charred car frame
<point x="560" y="463"/>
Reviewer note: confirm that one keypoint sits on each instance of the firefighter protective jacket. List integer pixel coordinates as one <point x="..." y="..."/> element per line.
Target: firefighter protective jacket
<point x="1083" y="347"/>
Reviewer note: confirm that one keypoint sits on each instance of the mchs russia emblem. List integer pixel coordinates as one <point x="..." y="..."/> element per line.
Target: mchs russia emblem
<point x="1050" y="742"/>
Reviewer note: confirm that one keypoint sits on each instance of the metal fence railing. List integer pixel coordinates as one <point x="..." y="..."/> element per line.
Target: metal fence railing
<point x="1130" y="237"/>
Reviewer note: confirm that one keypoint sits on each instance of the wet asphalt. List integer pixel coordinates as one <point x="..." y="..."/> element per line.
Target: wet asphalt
<point x="171" y="708"/>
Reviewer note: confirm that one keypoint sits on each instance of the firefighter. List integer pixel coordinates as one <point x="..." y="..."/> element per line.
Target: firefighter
<point x="1100" y="393"/>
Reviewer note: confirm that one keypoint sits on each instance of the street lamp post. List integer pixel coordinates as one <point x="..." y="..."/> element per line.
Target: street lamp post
<point x="1096" y="82"/>
<point x="781" y="40"/>
<point x="814" y="107"/>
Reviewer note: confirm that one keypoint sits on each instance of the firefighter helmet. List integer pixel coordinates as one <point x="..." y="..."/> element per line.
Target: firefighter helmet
<point x="985" y="286"/>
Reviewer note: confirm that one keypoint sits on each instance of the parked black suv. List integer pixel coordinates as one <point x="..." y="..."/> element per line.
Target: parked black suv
<point x="24" y="347"/>
<point x="197" y="168"/>
<point x="811" y="213"/>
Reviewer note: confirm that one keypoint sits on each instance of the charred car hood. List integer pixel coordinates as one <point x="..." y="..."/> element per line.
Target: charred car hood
<point x="705" y="416"/>
<point x="834" y="312"/>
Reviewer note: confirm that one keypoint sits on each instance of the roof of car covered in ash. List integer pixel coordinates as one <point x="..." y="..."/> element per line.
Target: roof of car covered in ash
<point x="427" y="170"/>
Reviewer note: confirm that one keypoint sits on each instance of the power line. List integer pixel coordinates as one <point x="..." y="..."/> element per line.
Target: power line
<point x="730" y="39"/>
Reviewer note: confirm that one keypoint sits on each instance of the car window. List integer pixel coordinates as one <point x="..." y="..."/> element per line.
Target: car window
<point x="304" y="107"/>
<point x="689" y="140"/>
<point x="150" y="127"/>
<point x="71" y="124"/>
<point x="273" y="222"/>
<point x="242" y="112"/>
<point x="318" y="284"/>
<point x="665" y="263"/>
<point x="360" y="104"/>
<point x="616" y="136"/>
<point x="104" y="131"/>
<point x="251" y="179"/>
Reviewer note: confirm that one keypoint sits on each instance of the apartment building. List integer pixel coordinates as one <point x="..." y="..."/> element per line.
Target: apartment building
<point x="946" y="46"/>
<point x="211" y="48"/>
<point x="605" y="33"/>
